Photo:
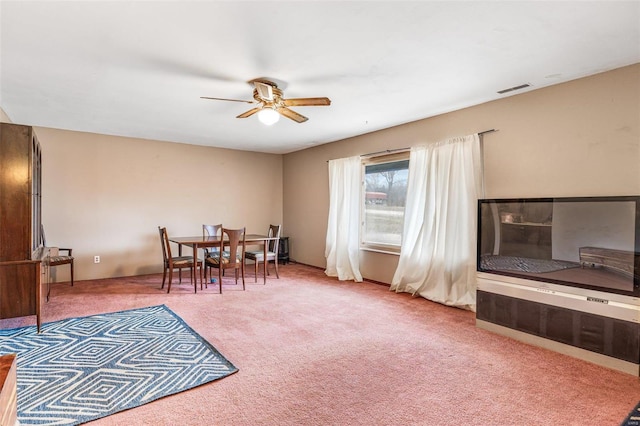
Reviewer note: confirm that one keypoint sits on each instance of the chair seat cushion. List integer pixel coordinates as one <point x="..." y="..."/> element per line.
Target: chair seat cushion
<point x="214" y="252"/>
<point x="183" y="260"/>
<point x="259" y="255"/>
<point x="60" y="259"/>
<point x="214" y="259"/>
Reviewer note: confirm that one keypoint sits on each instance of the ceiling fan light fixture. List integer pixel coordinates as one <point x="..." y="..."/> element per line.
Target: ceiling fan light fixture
<point x="271" y="104"/>
<point x="268" y="116"/>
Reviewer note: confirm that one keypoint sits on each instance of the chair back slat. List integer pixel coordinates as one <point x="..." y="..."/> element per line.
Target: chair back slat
<point x="274" y="231"/>
<point x="164" y="240"/>
<point x="211" y="230"/>
<point x="235" y="238"/>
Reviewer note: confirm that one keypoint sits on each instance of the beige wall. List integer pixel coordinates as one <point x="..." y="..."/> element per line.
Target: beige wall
<point x="106" y="196"/>
<point x="580" y="138"/>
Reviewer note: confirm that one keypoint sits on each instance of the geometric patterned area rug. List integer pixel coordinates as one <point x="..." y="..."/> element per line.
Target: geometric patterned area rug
<point x="633" y="419"/>
<point x="81" y="369"/>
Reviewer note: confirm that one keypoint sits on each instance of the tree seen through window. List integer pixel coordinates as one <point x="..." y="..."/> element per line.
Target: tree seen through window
<point x="385" y="192"/>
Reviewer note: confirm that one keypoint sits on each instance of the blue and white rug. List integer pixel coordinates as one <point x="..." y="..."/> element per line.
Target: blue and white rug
<point x="81" y="369"/>
<point x="633" y="419"/>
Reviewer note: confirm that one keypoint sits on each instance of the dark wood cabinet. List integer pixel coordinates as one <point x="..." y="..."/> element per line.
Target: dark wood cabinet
<point x="22" y="256"/>
<point x="283" y="250"/>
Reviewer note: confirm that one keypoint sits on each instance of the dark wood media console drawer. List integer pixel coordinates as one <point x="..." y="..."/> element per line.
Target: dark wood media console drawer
<point x="608" y="336"/>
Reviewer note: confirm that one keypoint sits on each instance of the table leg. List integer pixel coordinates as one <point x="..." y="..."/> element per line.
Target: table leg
<point x="180" y="270"/>
<point x="195" y="268"/>
<point x="264" y="264"/>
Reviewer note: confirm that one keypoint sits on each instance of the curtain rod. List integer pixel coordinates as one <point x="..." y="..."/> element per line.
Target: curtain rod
<point x="487" y="131"/>
<point x="386" y="151"/>
<point x="390" y="151"/>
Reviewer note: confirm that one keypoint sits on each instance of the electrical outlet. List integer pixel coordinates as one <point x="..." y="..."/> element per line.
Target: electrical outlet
<point x="96" y="259"/>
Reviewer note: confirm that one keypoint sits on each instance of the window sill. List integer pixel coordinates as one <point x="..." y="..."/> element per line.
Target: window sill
<point x="383" y="251"/>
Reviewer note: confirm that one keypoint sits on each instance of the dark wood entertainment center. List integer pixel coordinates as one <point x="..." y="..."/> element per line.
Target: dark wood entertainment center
<point x="23" y="259"/>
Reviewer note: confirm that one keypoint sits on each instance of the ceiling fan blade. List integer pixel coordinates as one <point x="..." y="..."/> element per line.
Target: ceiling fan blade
<point x="225" y="99"/>
<point x="249" y="113"/>
<point x="265" y="91"/>
<point x="307" y="102"/>
<point x="292" y="115"/>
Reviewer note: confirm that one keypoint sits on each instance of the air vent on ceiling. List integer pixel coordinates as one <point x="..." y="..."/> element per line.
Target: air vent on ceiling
<point x="511" y="89"/>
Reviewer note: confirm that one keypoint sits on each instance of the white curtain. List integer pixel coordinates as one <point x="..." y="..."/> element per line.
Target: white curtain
<point x="438" y="252"/>
<point x="342" y="246"/>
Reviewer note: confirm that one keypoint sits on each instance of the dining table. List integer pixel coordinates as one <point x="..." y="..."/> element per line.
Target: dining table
<point x="205" y="241"/>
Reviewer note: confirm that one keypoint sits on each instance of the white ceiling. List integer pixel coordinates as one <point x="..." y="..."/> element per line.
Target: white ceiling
<point x="138" y="69"/>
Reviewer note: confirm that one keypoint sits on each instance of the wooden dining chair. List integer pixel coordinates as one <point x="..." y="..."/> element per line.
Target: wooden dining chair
<point x="272" y="251"/>
<point x="176" y="262"/>
<point x="210" y="231"/>
<point x="232" y="258"/>
<point x="59" y="259"/>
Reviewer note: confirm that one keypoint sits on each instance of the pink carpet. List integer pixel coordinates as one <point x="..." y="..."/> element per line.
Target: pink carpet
<point x="315" y="351"/>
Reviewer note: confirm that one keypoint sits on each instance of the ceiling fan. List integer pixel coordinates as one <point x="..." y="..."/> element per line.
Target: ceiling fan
<point x="272" y="104"/>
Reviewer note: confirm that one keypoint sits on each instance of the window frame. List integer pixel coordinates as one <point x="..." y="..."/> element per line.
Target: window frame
<point x="368" y="161"/>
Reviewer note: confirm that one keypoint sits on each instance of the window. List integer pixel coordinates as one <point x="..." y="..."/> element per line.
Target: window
<point x="384" y="192"/>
